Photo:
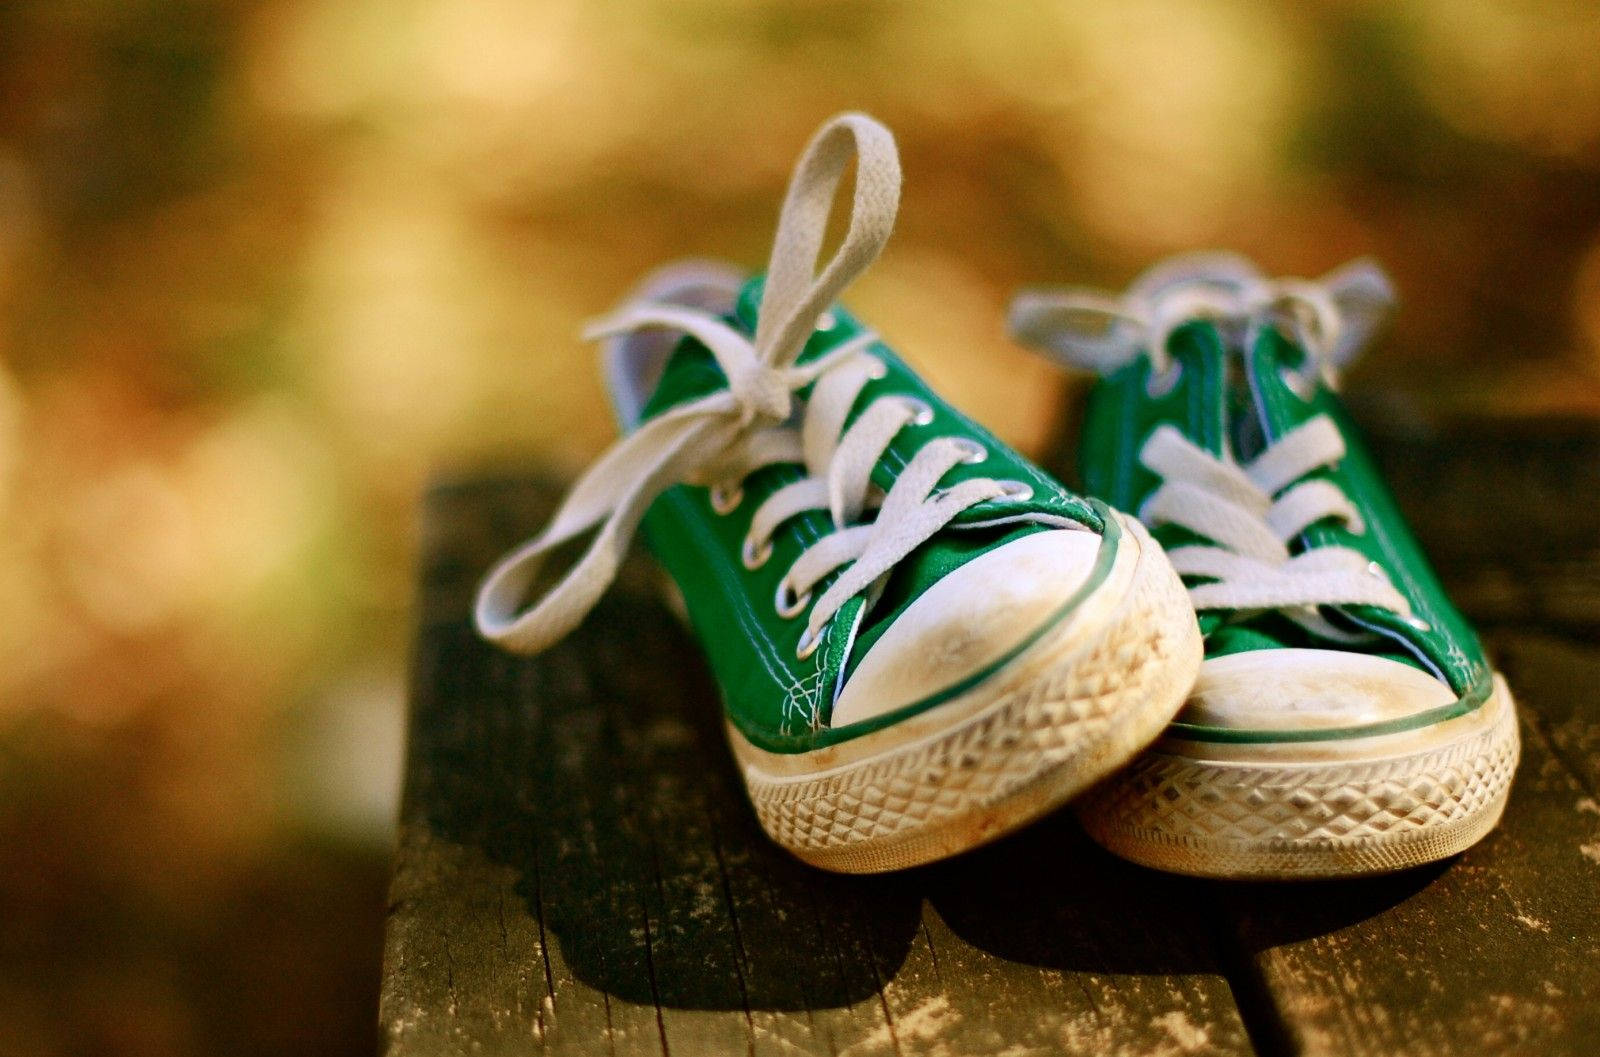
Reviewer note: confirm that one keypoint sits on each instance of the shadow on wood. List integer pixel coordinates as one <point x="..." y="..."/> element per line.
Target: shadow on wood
<point x="578" y="856"/>
<point x="579" y="868"/>
<point x="609" y="790"/>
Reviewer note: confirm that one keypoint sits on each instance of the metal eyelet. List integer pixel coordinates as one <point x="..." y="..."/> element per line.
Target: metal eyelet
<point x="753" y="558"/>
<point x="1418" y="624"/>
<point x="827" y="321"/>
<point x="972" y="451"/>
<point x="725" y="500"/>
<point x="787" y="603"/>
<point x="878" y="371"/>
<point x="1015" y="492"/>
<point x="1159" y="385"/>
<point x="808" y="643"/>
<point x="921" y="410"/>
<point x="1299" y="383"/>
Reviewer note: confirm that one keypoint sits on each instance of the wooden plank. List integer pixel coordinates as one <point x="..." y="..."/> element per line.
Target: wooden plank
<point x="1558" y="680"/>
<point x="579" y="872"/>
<point x="469" y="962"/>
<point x="1496" y="504"/>
<point x="1073" y="950"/>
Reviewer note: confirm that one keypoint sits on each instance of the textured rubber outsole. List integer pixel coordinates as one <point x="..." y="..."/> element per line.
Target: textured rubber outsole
<point x="1077" y="705"/>
<point x="1181" y="812"/>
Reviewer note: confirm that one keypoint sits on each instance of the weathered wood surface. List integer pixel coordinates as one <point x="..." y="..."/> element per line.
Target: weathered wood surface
<point x="579" y="873"/>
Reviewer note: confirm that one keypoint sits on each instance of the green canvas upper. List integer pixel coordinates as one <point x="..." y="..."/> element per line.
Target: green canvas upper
<point x="842" y="491"/>
<point x="1226" y="398"/>
<point x="778" y="701"/>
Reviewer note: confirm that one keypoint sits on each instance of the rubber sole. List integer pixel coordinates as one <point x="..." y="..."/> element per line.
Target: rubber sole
<point x="1182" y="809"/>
<point x="1076" y="706"/>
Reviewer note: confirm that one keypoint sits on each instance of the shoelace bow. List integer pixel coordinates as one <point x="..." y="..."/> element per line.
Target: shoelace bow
<point x="721" y="438"/>
<point x="1251" y="513"/>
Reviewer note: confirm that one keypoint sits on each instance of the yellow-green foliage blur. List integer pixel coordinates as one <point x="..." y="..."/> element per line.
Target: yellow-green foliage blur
<point x="267" y="265"/>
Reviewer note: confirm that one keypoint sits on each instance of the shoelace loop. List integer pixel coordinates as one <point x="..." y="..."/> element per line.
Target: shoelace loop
<point x="1251" y="513"/>
<point x="722" y="437"/>
<point x="1331" y="317"/>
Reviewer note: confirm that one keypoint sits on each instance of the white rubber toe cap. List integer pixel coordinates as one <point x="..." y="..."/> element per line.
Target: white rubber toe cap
<point x="968" y="620"/>
<point x="1297" y="689"/>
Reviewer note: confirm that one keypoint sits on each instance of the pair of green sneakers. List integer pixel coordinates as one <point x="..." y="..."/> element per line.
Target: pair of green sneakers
<point x="923" y="641"/>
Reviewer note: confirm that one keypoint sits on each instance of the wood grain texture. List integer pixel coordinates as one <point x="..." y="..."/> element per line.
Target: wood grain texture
<point x="1507" y="511"/>
<point x="579" y="872"/>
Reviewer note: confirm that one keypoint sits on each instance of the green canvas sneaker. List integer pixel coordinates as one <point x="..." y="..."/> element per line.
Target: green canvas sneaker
<point x="1345" y="720"/>
<point x="921" y="640"/>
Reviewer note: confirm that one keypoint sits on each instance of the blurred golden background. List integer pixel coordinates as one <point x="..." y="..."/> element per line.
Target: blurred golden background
<point x="268" y="265"/>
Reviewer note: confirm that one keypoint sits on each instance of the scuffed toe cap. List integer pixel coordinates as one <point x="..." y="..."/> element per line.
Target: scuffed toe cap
<point x="1306" y="689"/>
<point x="967" y="621"/>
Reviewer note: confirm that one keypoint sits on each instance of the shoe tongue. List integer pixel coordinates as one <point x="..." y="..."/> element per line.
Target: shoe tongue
<point x="1233" y="396"/>
<point x="692" y="372"/>
<point x="747" y="306"/>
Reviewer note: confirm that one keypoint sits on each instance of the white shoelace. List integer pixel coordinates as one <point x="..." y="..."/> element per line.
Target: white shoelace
<point x="1250" y="512"/>
<point x="722" y="438"/>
